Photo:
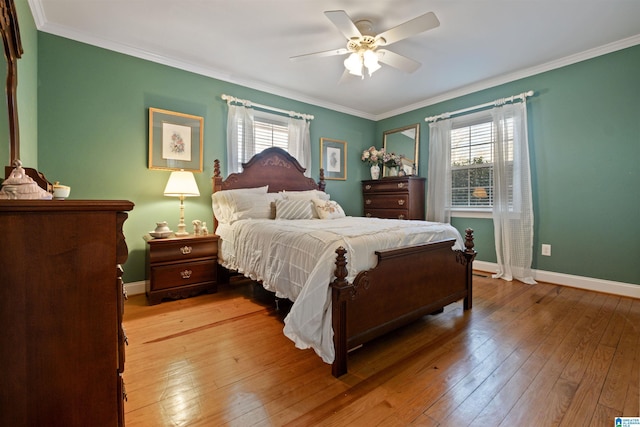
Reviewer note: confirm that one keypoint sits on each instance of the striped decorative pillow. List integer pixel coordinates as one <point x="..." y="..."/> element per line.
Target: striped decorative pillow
<point x="294" y="209"/>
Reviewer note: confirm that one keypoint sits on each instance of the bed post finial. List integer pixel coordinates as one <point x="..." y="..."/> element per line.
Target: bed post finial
<point x="216" y="168"/>
<point x="321" y="183"/>
<point x="341" y="268"/>
<point x="468" y="240"/>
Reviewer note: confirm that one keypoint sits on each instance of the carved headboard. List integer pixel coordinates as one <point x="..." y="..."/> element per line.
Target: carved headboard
<point x="274" y="167"/>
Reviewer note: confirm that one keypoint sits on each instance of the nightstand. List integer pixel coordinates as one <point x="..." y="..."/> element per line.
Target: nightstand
<point x="180" y="267"/>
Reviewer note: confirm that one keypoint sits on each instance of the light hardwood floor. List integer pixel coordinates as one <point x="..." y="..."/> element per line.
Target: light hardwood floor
<point x="525" y="355"/>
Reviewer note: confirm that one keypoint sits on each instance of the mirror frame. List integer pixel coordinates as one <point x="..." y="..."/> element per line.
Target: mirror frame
<point x="12" y="52"/>
<point x="416" y="144"/>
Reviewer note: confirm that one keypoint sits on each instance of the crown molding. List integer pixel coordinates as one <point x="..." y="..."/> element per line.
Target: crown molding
<point x="520" y="74"/>
<point x="43" y="25"/>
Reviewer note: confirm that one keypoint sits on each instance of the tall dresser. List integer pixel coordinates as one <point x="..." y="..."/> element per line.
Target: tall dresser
<point x="61" y="304"/>
<point x="394" y="197"/>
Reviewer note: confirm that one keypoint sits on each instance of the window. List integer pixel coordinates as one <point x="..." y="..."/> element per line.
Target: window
<point x="268" y="131"/>
<point x="472" y="157"/>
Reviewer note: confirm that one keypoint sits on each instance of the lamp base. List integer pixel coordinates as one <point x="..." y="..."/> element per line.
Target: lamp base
<point x="181" y="230"/>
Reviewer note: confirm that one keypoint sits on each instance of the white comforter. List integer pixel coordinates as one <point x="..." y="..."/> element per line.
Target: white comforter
<point x="296" y="260"/>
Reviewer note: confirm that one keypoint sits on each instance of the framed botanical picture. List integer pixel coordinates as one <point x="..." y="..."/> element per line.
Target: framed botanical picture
<point x="175" y="140"/>
<point x="333" y="158"/>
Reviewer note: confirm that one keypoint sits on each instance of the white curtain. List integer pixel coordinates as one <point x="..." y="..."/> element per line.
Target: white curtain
<point x="439" y="172"/>
<point x="512" y="205"/>
<point x="239" y="134"/>
<point x="300" y="143"/>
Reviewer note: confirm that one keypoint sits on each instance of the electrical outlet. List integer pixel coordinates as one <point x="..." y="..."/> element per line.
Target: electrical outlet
<point x="546" y="250"/>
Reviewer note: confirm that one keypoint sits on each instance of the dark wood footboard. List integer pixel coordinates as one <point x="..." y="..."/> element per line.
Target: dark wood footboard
<point x="406" y="284"/>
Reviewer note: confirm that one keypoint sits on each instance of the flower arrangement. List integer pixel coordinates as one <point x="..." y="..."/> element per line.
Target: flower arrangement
<point x="372" y="155"/>
<point x="392" y="160"/>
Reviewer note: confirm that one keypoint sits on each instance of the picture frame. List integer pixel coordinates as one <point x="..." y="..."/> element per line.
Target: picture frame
<point x="175" y="140"/>
<point x="333" y="158"/>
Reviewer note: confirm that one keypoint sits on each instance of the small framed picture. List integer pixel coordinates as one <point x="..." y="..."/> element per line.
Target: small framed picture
<point x="175" y="140"/>
<point x="333" y="158"/>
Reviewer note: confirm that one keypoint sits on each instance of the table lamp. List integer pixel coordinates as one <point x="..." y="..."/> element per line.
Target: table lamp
<point x="181" y="184"/>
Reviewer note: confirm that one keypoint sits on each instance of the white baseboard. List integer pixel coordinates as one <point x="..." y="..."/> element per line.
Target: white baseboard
<point x="135" y="288"/>
<point x="587" y="283"/>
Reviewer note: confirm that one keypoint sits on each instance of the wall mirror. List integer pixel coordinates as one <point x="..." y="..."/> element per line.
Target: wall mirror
<point x="12" y="52"/>
<point x="404" y="141"/>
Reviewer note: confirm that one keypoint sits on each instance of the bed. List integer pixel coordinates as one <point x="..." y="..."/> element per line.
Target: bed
<point x="351" y="279"/>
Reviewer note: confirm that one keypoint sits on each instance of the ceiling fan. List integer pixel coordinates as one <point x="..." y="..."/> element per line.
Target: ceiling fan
<point x="363" y="46"/>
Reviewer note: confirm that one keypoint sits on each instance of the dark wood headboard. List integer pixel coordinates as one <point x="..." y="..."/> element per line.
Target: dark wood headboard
<point x="274" y="167"/>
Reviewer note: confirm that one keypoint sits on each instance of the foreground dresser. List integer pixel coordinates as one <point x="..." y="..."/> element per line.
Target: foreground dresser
<point x="394" y="197"/>
<point x="61" y="303"/>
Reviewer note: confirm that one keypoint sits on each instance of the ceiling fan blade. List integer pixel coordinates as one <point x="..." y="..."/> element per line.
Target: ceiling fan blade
<point x="397" y="61"/>
<point x="332" y="52"/>
<point x="342" y="21"/>
<point x="410" y="28"/>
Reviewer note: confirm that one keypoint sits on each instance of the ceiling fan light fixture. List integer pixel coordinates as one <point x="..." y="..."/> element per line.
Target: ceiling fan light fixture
<point x="370" y="59"/>
<point x="354" y="64"/>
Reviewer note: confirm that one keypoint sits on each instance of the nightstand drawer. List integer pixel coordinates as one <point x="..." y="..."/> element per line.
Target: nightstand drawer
<point x="180" y="274"/>
<point x="386" y="201"/>
<point x="182" y="249"/>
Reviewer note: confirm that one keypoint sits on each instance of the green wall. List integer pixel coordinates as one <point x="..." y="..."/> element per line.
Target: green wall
<point x="583" y="126"/>
<point x="584" y="140"/>
<point x="93" y="133"/>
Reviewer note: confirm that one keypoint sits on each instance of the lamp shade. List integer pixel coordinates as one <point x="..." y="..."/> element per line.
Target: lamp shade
<point x="480" y="193"/>
<point x="181" y="183"/>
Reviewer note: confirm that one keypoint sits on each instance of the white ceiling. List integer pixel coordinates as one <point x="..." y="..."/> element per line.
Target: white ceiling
<point x="479" y="43"/>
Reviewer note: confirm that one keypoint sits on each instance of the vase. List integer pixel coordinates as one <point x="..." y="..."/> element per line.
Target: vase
<point x="392" y="171"/>
<point x="375" y="172"/>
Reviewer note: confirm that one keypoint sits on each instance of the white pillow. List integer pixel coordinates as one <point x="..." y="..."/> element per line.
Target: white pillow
<point x="328" y="209"/>
<point x="294" y="209"/>
<point x="307" y="195"/>
<point x="223" y="204"/>
<point x="250" y="206"/>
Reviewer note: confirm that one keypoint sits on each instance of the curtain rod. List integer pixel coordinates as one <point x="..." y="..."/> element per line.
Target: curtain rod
<point x="523" y="96"/>
<point x="250" y="104"/>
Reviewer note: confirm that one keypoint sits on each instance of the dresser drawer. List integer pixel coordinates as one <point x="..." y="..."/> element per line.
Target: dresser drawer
<point x="386" y="201"/>
<point x="182" y="249"/>
<point x="387" y="213"/>
<point x="384" y="185"/>
<point x="180" y="274"/>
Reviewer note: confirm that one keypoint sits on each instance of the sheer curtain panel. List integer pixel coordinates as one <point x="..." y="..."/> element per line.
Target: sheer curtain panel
<point x="439" y="172"/>
<point x="300" y="143"/>
<point x="512" y="205"/>
<point x="240" y="135"/>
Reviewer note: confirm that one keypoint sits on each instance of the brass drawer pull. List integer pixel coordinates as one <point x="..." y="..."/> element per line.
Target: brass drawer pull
<point x="401" y="185"/>
<point x="368" y="201"/>
<point x="186" y="274"/>
<point x="186" y="250"/>
<point x="400" y="216"/>
<point x="367" y="187"/>
<point x="368" y="215"/>
<point x="401" y="202"/>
